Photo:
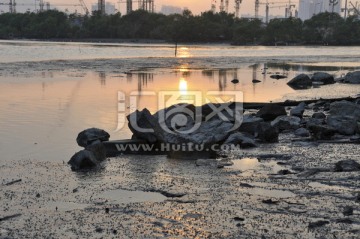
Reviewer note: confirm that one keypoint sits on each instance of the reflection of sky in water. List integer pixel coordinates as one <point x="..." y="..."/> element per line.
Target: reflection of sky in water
<point x="42" y="114"/>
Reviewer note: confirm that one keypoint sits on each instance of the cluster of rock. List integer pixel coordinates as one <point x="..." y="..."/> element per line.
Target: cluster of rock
<point x="94" y="151"/>
<point x="329" y="120"/>
<point x="304" y="81"/>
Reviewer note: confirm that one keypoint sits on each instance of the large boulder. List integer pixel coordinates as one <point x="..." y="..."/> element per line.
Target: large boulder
<point x="250" y="124"/>
<point x="298" y="111"/>
<point x="301" y="81"/>
<point x="285" y="122"/>
<point x="145" y="126"/>
<point x="323" y="77"/>
<point x="352" y="77"/>
<point x="345" y="108"/>
<point x="267" y="133"/>
<point x="83" y="159"/>
<point x="319" y="115"/>
<point x="271" y="111"/>
<point x="91" y="135"/>
<point x="322" y="132"/>
<point x="240" y="139"/>
<point x="302" y="132"/>
<point x="346" y="125"/>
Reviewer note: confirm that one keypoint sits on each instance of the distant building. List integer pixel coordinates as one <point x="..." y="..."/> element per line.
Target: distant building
<point x="167" y="10"/>
<point x="309" y="8"/>
<point x="109" y="8"/>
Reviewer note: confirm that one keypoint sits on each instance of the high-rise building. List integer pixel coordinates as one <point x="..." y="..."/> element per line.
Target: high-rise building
<point x="309" y="8"/>
<point x="167" y="10"/>
<point x="109" y="8"/>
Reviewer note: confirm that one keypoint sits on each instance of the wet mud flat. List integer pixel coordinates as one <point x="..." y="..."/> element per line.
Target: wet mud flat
<point x="283" y="190"/>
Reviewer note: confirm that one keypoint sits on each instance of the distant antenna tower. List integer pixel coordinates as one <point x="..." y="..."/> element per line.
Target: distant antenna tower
<point x="101" y="7"/>
<point x="41" y="4"/>
<point x="257" y="3"/>
<point x="213" y="6"/>
<point x="12" y="6"/>
<point x="222" y="7"/>
<point x="226" y="5"/>
<point x="129" y="6"/>
<point x="237" y="8"/>
<point x="333" y="3"/>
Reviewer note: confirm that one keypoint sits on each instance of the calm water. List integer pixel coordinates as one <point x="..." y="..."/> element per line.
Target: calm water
<point x="43" y="109"/>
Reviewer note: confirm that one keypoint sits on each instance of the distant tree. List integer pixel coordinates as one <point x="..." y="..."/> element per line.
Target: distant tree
<point x="288" y="30"/>
<point x="321" y="28"/>
<point x="248" y="31"/>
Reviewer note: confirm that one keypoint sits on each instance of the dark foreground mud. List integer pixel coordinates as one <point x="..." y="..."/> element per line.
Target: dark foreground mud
<point x="156" y="197"/>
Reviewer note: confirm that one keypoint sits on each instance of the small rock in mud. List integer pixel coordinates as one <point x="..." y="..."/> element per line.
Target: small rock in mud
<point x="239" y="219"/>
<point x="348" y="211"/>
<point x="347" y="166"/>
<point x="246" y="185"/>
<point x="270" y="201"/>
<point x="316" y="224"/>
<point x="285" y="172"/>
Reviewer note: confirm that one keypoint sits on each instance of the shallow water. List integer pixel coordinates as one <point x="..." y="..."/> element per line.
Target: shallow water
<point x="44" y="107"/>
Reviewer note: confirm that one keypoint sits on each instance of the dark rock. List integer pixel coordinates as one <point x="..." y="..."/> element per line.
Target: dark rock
<point x="344" y="220"/>
<point x="345" y="108"/>
<point x="99" y="230"/>
<point x="301" y="81"/>
<point x="284" y="172"/>
<point x="270" y="201"/>
<point x="256" y="81"/>
<point x="83" y="159"/>
<point x="240" y="139"/>
<point x="348" y="211"/>
<point x="320" y="223"/>
<point x="298" y="111"/>
<point x="352" y="77"/>
<point x="250" y="124"/>
<point x="348" y="165"/>
<point x="38" y="195"/>
<point x="323" y="77"/>
<point x="239" y="219"/>
<point x="271" y="111"/>
<point x="267" y="133"/>
<point x="98" y="149"/>
<point x="88" y="136"/>
<point x="145" y="126"/>
<point x="235" y="81"/>
<point x="346" y="125"/>
<point x="326" y="106"/>
<point x="319" y="115"/>
<point x="322" y="132"/>
<point x="314" y="122"/>
<point x="285" y="122"/>
<point x="302" y="132"/>
<point x="107" y="210"/>
<point x="276" y="76"/>
<point x="246" y="185"/>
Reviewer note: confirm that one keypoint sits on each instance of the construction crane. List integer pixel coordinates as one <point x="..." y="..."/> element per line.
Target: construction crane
<point x="267" y="8"/>
<point x="146" y="5"/>
<point x="354" y="8"/>
<point x="84" y="7"/>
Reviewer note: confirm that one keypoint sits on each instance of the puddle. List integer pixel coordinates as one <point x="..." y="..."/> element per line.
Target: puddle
<point x="64" y="206"/>
<point x="247" y="164"/>
<point x="124" y="196"/>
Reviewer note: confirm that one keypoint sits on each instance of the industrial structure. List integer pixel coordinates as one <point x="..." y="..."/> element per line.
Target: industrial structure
<point x="224" y="6"/>
<point x="146" y="5"/>
<point x="309" y="8"/>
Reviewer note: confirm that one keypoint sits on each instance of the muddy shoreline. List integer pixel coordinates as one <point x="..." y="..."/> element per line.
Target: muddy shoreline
<point x="218" y="203"/>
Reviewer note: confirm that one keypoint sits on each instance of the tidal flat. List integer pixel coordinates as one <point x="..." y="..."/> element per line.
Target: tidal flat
<point x="52" y="91"/>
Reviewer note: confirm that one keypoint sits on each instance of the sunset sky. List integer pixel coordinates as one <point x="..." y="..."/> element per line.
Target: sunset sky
<point x="196" y="6"/>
